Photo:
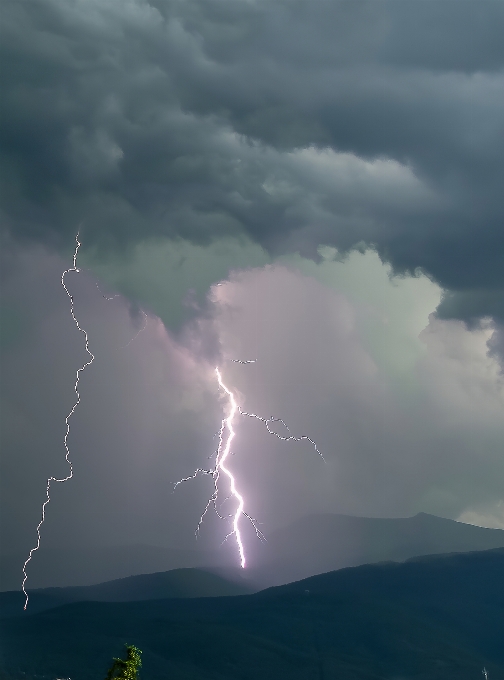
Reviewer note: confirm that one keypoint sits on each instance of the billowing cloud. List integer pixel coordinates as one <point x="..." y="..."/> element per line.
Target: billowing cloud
<point x="294" y="124"/>
<point x="403" y="418"/>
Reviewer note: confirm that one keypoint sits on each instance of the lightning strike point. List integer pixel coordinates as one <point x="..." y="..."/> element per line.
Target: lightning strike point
<point x="51" y="479"/>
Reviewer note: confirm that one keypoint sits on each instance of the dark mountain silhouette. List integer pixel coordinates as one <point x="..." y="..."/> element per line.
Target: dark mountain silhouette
<point x="184" y="583"/>
<point x="432" y="618"/>
<point x="321" y="543"/>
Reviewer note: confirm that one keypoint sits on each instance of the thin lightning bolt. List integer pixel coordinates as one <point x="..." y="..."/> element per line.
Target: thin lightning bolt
<point x="221" y="455"/>
<point x="140" y="330"/>
<point x="75" y="269"/>
<point x="107" y="297"/>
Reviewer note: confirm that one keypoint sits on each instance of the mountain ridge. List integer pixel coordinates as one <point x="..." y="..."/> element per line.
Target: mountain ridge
<point x="325" y="542"/>
<point x="312" y="544"/>
<point x="435" y="618"/>
<point x="175" y="583"/>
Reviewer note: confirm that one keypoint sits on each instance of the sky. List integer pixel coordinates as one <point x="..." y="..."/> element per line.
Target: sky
<point x="313" y="185"/>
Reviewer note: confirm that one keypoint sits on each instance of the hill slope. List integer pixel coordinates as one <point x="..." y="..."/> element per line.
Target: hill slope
<point x="436" y="618"/>
<point x="311" y="545"/>
<point x="184" y="583"/>
<point x="321" y="543"/>
<point x="89" y="565"/>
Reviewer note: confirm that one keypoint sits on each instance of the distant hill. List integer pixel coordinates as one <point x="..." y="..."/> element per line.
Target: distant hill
<point x="433" y="618"/>
<point x="311" y="545"/>
<point x="321" y="543"/>
<point x="90" y="565"/>
<point x="185" y="583"/>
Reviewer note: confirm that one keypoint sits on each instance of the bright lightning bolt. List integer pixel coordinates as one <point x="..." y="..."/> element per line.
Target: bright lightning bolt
<point x="75" y="269"/>
<point x="223" y="451"/>
<point x="221" y="456"/>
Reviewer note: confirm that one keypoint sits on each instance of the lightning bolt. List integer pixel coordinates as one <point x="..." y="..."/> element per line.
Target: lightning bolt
<point x="51" y="479"/>
<point x="140" y="330"/>
<point x="222" y="453"/>
<point x="146" y="318"/>
<point x="221" y="456"/>
<point x="107" y="297"/>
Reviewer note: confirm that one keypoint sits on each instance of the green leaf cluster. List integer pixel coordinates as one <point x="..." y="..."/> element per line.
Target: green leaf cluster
<point x="126" y="669"/>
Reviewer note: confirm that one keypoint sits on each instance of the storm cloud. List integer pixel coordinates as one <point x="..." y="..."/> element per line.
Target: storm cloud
<point x="313" y="185"/>
<point x="296" y="124"/>
<point x="405" y="408"/>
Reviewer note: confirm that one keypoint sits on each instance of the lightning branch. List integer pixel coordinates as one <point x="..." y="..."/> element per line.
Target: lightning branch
<point x="87" y="363"/>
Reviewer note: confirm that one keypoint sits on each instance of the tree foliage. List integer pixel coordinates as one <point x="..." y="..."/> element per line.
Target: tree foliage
<point x="126" y="669"/>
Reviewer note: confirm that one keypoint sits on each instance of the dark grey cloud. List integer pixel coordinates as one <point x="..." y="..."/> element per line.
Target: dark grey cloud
<point x="190" y="119"/>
